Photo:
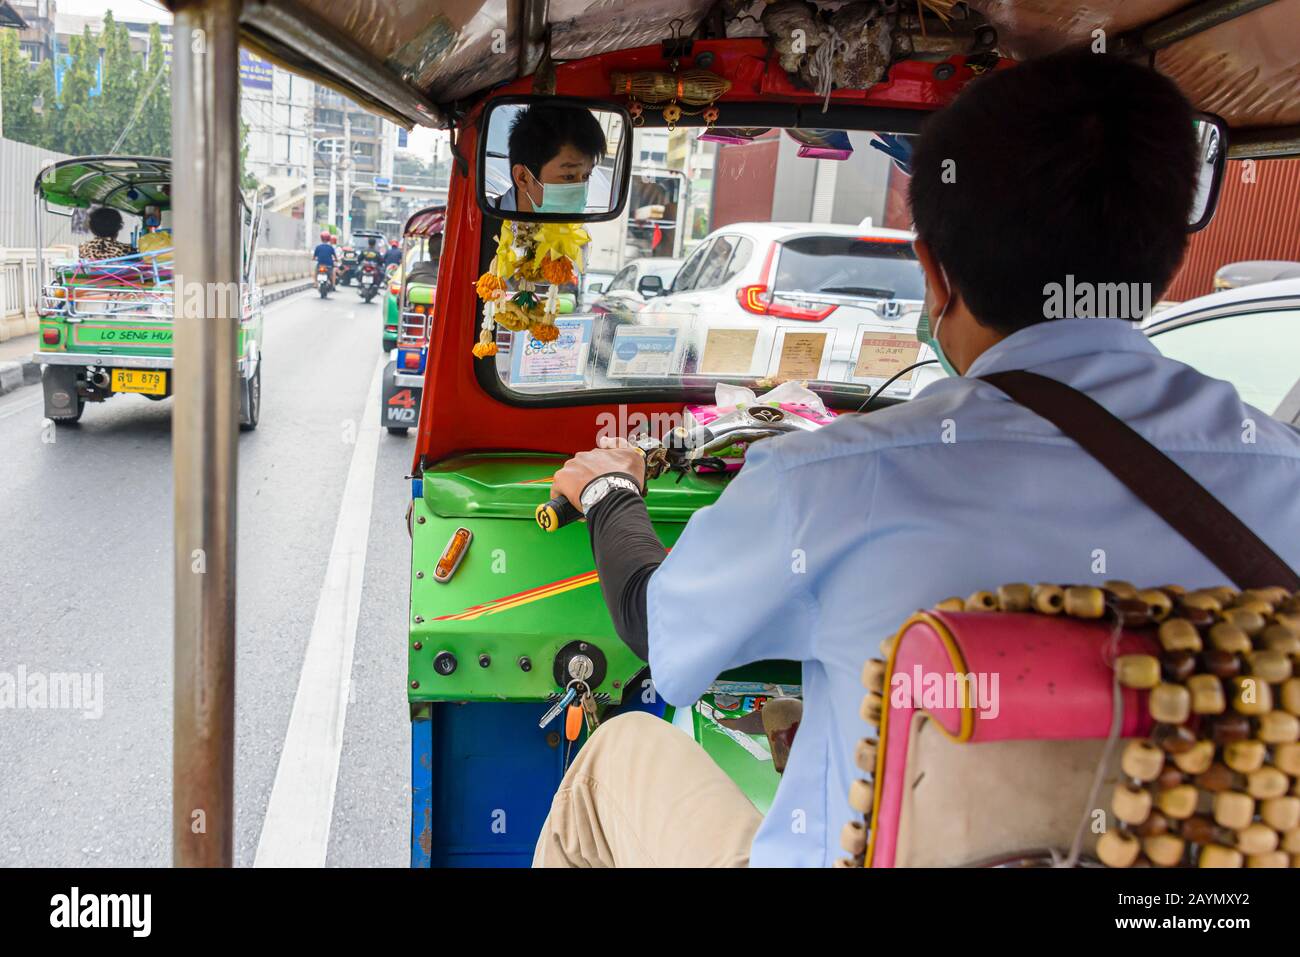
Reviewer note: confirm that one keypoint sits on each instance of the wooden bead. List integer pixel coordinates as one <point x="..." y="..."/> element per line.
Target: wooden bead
<point x="951" y="604"/>
<point x="1130" y="805"/>
<point x="1230" y="727"/>
<point x="1257" y="839"/>
<point x="845" y="862"/>
<point x="1142" y="760"/>
<point x="1291" y="841"/>
<point x="1249" y="621"/>
<point x="1200" y="618"/>
<point x="1233" y="809"/>
<point x="1245" y="756"/>
<point x="1261" y="608"/>
<point x="1271" y="859"/>
<point x="1138" y="671"/>
<point x="1085" y="601"/>
<point x="1173" y="591"/>
<point x="1117" y="848"/>
<point x="1252" y="595"/>
<point x="1277" y="638"/>
<point x="887" y="646"/>
<point x="1286" y="757"/>
<point x="1179" y="634"/>
<point x="1177" y="666"/>
<point x="1228" y="637"/>
<point x="872" y="708"/>
<point x="1278" y="727"/>
<point x="1173" y="738"/>
<point x="853" y="838"/>
<point x="1170" y="703"/>
<point x="873" y="675"/>
<point x="1218" y="777"/>
<point x="1157" y="823"/>
<point x="1290" y="620"/>
<point x="1196" y="759"/>
<point x="1200" y="830"/>
<point x="982" y="601"/>
<point x="1216" y="855"/>
<point x="1207" y="694"/>
<point x="1271" y="666"/>
<point x="1224" y="594"/>
<point x="1129" y="612"/>
<point x="1273" y="594"/>
<point x="1201" y="599"/>
<point x="1289" y="694"/>
<point x="1251" y="696"/>
<point x="1220" y="663"/>
<point x="1120" y="589"/>
<point x="1159" y="605"/>
<point x="1164" y="850"/>
<point x="860" y="796"/>
<point x="1281" y="813"/>
<point x="1047" y="599"/>
<point x="1170" y="777"/>
<point x="1266" y="783"/>
<point x="864" y="755"/>
<point x="1014" y="597"/>
<point x="1178" y="803"/>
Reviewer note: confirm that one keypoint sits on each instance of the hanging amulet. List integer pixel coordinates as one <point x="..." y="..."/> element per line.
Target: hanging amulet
<point x="1085" y="601"/>
<point x="1169" y="703"/>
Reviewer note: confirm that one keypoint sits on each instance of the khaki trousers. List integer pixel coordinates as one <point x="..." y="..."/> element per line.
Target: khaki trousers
<point x="641" y="793"/>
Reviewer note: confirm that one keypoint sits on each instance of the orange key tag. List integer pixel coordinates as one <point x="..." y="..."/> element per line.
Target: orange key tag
<point x="573" y="722"/>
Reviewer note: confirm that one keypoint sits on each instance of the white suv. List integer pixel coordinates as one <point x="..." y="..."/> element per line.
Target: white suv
<point x="797" y="300"/>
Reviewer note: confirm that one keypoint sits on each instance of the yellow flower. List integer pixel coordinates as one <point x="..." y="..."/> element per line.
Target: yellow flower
<point x="560" y="241"/>
<point x="484" y="350"/>
<point x="488" y="286"/>
<point x="544" y="331"/>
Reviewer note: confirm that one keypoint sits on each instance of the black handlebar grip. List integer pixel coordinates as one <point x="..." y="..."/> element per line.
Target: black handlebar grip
<point x="556" y="513"/>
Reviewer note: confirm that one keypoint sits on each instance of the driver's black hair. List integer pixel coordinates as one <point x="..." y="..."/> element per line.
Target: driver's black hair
<point x="1077" y="164"/>
<point x="538" y="133"/>
<point x="105" y="222"/>
<point x="370" y="240"/>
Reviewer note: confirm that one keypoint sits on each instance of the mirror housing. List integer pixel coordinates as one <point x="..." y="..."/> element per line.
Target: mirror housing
<point x="649" y="286"/>
<point x="1212" y="160"/>
<point x="609" y="176"/>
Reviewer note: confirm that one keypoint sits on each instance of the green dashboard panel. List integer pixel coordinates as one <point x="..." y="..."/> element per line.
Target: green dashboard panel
<point x="519" y="593"/>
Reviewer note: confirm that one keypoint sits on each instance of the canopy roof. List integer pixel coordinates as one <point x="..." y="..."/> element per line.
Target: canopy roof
<point x="426" y="222"/>
<point x="126" y="183"/>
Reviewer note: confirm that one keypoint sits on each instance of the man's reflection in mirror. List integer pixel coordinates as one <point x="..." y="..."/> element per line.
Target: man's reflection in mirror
<point x="552" y="151"/>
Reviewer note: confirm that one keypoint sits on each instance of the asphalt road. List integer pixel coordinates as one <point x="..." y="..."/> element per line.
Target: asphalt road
<point x="86" y="587"/>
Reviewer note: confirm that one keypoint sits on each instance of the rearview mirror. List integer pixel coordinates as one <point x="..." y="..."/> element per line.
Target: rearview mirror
<point x="1211" y="162"/>
<point x="553" y="159"/>
<point x="650" y="286"/>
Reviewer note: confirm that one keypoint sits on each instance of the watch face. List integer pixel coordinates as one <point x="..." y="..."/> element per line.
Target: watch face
<point x="594" y="492"/>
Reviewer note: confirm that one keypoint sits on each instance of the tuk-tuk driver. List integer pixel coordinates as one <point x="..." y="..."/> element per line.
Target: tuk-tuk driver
<point x="552" y="151"/>
<point x="105" y="223"/>
<point x="1076" y="165"/>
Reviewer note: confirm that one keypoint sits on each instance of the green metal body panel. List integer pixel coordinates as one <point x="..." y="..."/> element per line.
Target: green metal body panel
<point x="390" y="312"/>
<point x="519" y="592"/>
<point x="107" y="337"/>
<point x="420" y="294"/>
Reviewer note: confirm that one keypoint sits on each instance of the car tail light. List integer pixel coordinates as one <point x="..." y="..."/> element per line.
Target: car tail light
<point x="758" y="300"/>
<point x="411" y="360"/>
<point x="50" y="336"/>
<point x="395" y="288"/>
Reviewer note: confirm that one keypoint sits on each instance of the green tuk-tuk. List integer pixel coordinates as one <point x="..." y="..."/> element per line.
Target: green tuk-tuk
<point x="107" y="323"/>
<point x="408" y="317"/>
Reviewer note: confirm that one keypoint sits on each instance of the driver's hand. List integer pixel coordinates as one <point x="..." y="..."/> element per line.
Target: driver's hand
<point x="611" y="455"/>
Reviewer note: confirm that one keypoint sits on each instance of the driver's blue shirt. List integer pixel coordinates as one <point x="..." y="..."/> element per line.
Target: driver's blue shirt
<point x="325" y="254"/>
<point x="827" y="541"/>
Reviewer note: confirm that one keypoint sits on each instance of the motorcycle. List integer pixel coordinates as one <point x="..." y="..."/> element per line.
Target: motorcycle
<point x="368" y="281"/>
<point x="324" y="281"/>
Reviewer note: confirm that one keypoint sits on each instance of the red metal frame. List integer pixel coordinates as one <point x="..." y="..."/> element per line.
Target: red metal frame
<point x="458" y="415"/>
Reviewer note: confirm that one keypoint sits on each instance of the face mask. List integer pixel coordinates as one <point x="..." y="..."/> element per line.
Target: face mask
<point x="561" y="198"/>
<point x="930" y="336"/>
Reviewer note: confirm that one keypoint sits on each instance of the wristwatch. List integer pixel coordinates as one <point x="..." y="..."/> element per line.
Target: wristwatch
<point x="598" y="488"/>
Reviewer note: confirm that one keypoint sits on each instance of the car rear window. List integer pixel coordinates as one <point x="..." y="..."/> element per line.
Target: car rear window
<point x="849" y="266"/>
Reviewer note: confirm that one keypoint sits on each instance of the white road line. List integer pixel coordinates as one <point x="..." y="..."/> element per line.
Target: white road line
<point x="8" y="410"/>
<point x="295" y="832"/>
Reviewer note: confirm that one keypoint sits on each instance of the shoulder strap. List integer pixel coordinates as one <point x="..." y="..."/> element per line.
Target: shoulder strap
<point x="1188" y="507"/>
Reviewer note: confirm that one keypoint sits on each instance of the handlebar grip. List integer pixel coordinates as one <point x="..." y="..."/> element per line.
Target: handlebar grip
<point x="556" y="513"/>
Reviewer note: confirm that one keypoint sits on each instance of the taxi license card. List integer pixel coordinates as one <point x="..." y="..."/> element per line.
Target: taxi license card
<point x="145" y="381"/>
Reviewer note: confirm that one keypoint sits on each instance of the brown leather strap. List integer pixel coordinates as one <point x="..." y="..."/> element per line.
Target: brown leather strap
<point x="1154" y="478"/>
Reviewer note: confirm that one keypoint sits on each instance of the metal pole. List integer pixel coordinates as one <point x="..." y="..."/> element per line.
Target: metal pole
<point x="333" y="188"/>
<point x="347" y="173"/>
<point x="205" y="137"/>
<point x="309" y="204"/>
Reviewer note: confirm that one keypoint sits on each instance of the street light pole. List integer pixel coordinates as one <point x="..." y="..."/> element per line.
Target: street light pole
<point x="205" y="411"/>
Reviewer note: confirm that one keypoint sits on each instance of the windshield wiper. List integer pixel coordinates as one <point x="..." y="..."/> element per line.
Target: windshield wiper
<point x="873" y="291"/>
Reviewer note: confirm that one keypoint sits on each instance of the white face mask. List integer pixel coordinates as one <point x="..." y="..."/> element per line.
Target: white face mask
<point x="931" y="337"/>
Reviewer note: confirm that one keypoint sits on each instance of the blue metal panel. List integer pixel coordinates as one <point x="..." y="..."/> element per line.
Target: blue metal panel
<point x="482" y="779"/>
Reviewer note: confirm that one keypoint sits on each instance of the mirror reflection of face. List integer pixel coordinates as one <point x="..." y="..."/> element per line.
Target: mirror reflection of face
<point x="567" y="166"/>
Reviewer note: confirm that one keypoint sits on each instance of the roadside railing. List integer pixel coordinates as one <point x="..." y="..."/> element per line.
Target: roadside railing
<point x="20" y="290"/>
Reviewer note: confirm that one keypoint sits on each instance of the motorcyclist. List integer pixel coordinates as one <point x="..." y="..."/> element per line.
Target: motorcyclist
<point x="324" y="254"/>
<point x="393" y="256"/>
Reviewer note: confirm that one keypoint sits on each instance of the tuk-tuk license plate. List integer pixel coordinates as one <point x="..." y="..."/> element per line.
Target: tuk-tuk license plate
<point x="146" y="381"/>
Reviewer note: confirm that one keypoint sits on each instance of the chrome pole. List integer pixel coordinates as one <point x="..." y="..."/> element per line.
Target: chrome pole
<point x="205" y="410"/>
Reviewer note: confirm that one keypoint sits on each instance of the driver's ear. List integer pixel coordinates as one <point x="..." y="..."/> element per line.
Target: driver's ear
<point x="517" y="175"/>
<point x="935" y="282"/>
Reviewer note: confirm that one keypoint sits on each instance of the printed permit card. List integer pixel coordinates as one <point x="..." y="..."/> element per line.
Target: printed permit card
<point x="729" y="352"/>
<point x="560" y="362"/>
<point x="643" y="351"/>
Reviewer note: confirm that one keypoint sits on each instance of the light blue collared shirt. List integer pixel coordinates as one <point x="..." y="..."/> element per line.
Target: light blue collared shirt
<point x="827" y="541"/>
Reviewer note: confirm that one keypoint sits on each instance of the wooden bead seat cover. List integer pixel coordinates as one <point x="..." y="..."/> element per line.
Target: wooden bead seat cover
<point x="1206" y="776"/>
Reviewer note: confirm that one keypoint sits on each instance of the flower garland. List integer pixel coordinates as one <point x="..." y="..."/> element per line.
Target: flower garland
<point x="528" y="254"/>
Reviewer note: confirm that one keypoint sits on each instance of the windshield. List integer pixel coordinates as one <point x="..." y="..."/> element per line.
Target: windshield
<point x="777" y="263"/>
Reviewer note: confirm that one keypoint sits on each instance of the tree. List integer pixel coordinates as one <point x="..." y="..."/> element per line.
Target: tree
<point x="20" y="86"/>
<point x="119" y="89"/>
